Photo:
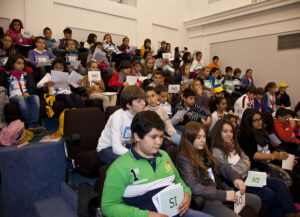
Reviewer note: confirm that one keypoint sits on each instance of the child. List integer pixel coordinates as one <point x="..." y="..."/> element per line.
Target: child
<point x="50" y="42"/>
<point x="284" y="127"/>
<point x="202" y="173"/>
<point x="72" y="53"/>
<point x="23" y="44"/>
<point x="228" y="80"/>
<point x="71" y="100"/>
<point x="137" y="68"/>
<point x="104" y="64"/>
<point x="118" y="80"/>
<point x="238" y="85"/>
<point x="258" y="102"/>
<point x="197" y="65"/>
<point x="183" y="78"/>
<point x="214" y="63"/>
<point x="161" y="50"/>
<point x="117" y="132"/>
<point x="282" y="97"/>
<point x="146" y="47"/>
<point x="95" y="88"/>
<point x="228" y="152"/>
<point x="20" y="89"/>
<point x="152" y="104"/>
<point x="215" y="73"/>
<point x="220" y="112"/>
<point x="201" y="98"/>
<point x="247" y="79"/>
<point x="68" y="35"/>
<point x="148" y="67"/>
<point x="186" y="58"/>
<point x="188" y="111"/>
<point x="244" y="102"/>
<point x="125" y="49"/>
<point x="269" y="100"/>
<point x="90" y="42"/>
<point x="157" y="78"/>
<point x="163" y="95"/>
<point x="7" y="49"/>
<point x="40" y="58"/>
<point x="143" y="166"/>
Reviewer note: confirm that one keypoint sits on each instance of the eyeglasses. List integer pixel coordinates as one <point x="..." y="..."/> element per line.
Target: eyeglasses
<point x="257" y="120"/>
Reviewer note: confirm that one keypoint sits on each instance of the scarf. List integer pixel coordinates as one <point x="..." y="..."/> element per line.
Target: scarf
<point x="122" y="77"/>
<point x="206" y="179"/>
<point x="17" y="74"/>
<point x="230" y="146"/>
<point x="72" y="51"/>
<point x="250" y="80"/>
<point x="262" y="139"/>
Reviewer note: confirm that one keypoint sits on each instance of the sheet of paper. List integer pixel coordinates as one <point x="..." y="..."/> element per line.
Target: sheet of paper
<point x="168" y="200"/>
<point x="256" y="179"/>
<point x="71" y="57"/>
<point x="173" y="88"/>
<point x="236" y="82"/>
<point x="26" y="33"/>
<point x="240" y="204"/>
<point x="274" y="138"/>
<point x="98" y="55"/>
<point x="60" y="79"/>
<point x="288" y="163"/>
<point x="229" y="83"/>
<point x="45" y="79"/>
<point x="208" y="83"/>
<point x="94" y="75"/>
<point x="110" y="93"/>
<point x="178" y="117"/>
<point x="170" y="68"/>
<point x="131" y="80"/>
<point x="74" y="77"/>
<point x="75" y="63"/>
<point x="3" y="61"/>
<point x="132" y="49"/>
<point x="166" y="56"/>
<point x="142" y="78"/>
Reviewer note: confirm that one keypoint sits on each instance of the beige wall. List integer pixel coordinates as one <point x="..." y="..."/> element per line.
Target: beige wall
<point x="268" y="64"/>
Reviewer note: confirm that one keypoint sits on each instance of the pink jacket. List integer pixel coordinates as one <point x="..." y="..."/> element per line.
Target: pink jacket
<point x="13" y="34"/>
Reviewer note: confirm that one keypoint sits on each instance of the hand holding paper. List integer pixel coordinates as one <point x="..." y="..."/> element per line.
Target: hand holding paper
<point x="94" y="75"/>
<point x="289" y="162"/>
<point x="241" y="202"/>
<point x="131" y="80"/>
<point x="60" y="79"/>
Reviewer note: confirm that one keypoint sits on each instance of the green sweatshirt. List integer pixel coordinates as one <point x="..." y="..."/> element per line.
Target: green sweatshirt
<point x="131" y="181"/>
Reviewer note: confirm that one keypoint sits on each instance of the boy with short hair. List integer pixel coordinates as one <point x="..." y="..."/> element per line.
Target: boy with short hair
<point x="163" y="94"/>
<point x="133" y="179"/>
<point x="282" y="96"/>
<point x="244" y="102"/>
<point x="186" y="111"/>
<point x="161" y="50"/>
<point x="50" y="42"/>
<point x="214" y="63"/>
<point x="258" y="102"/>
<point x="137" y="68"/>
<point x="152" y="105"/>
<point x="284" y="126"/>
<point x="68" y="35"/>
<point x="117" y="132"/>
<point x="157" y="78"/>
<point x="72" y="54"/>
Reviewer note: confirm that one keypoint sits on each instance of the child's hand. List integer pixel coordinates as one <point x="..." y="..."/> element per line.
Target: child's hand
<point x="275" y="144"/>
<point x="248" y="162"/>
<point x="125" y="84"/>
<point x="32" y="37"/>
<point x="96" y="81"/>
<point x="26" y="95"/>
<point x="52" y="60"/>
<point x="137" y="84"/>
<point x="182" y="83"/>
<point x="70" y="67"/>
<point x="279" y="96"/>
<point x="27" y="60"/>
<point x="185" y="205"/>
<point x="231" y="196"/>
<point x="156" y="214"/>
<point x="49" y="84"/>
<point x="39" y="65"/>
<point x="80" y="65"/>
<point x="79" y="82"/>
<point x="230" y="112"/>
<point x="19" y="35"/>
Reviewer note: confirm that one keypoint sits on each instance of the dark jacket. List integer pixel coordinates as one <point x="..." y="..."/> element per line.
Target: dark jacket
<point x="195" y="183"/>
<point x="284" y="99"/>
<point x="29" y="82"/>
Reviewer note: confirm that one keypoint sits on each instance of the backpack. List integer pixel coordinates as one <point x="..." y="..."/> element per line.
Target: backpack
<point x="14" y="133"/>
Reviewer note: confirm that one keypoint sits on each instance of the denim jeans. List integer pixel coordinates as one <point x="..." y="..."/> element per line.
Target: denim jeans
<point x="107" y="155"/>
<point x="277" y="195"/>
<point x="195" y="213"/>
<point x="29" y="108"/>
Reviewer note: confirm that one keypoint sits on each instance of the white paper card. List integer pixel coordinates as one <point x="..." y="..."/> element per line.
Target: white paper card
<point x="99" y="55"/>
<point x="131" y="80"/>
<point x="240" y="204"/>
<point x="60" y="79"/>
<point x="178" y="117"/>
<point x="132" y="49"/>
<point x="94" y="75"/>
<point x="174" y="88"/>
<point x="110" y="93"/>
<point x="71" y="57"/>
<point x="274" y="138"/>
<point x="288" y="163"/>
<point x="142" y="78"/>
<point x="256" y="179"/>
<point x="3" y="61"/>
<point x="169" y="199"/>
<point x="26" y="33"/>
<point x="208" y="83"/>
<point x="74" y="77"/>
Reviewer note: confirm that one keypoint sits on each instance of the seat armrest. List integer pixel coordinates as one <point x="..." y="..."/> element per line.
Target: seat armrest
<point x="72" y="139"/>
<point x="197" y="202"/>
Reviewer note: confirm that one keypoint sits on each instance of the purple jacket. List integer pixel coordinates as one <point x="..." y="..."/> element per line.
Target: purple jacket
<point x="33" y="53"/>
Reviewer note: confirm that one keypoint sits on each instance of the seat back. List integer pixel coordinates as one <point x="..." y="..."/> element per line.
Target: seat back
<point x="110" y="110"/>
<point x="88" y="123"/>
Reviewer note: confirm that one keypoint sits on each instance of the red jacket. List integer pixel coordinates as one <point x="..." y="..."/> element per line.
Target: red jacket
<point x="285" y="132"/>
<point x="113" y="82"/>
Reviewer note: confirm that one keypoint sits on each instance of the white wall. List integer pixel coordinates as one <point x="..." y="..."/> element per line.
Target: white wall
<point x="246" y="37"/>
<point x="137" y="22"/>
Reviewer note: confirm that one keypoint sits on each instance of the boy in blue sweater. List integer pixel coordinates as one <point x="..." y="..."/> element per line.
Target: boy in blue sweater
<point x="133" y="179"/>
